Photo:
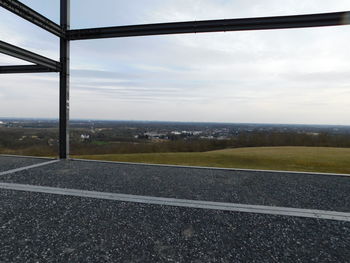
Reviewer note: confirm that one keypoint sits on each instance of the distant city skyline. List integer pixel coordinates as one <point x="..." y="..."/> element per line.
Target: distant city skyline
<point x="294" y="76"/>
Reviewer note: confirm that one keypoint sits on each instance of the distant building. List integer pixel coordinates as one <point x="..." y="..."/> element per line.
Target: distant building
<point x="313" y="133"/>
<point x="154" y="135"/>
<point x="208" y="137"/>
<point x="85" y="137"/>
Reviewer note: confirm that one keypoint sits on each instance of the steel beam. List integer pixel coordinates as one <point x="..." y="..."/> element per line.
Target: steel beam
<point x="29" y="56"/>
<point x="64" y="82"/>
<point x="32" y="16"/>
<point x="24" y="69"/>
<point x="263" y="23"/>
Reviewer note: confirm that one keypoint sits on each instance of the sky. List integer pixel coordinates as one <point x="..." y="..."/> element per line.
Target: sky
<point x="297" y="76"/>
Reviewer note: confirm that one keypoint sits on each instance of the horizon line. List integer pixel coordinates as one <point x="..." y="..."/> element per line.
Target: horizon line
<point x="162" y="121"/>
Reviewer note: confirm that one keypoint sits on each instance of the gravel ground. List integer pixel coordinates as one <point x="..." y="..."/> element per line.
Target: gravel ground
<point x="259" y="188"/>
<point x="47" y="228"/>
<point x="9" y="163"/>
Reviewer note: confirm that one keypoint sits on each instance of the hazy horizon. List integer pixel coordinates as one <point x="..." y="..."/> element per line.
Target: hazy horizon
<point x="167" y="121"/>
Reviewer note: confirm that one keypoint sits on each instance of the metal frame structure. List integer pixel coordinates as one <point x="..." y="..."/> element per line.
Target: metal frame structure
<point x="43" y="64"/>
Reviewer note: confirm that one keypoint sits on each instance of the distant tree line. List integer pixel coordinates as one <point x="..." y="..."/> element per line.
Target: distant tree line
<point x="28" y="141"/>
<point x="40" y="142"/>
<point x="257" y="139"/>
<point x="254" y="139"/>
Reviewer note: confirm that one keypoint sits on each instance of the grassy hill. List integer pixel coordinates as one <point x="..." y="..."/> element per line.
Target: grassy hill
<point x="309" y="159"/>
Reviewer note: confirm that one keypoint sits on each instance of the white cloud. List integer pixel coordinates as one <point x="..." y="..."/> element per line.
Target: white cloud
<point x="293" y="76"/>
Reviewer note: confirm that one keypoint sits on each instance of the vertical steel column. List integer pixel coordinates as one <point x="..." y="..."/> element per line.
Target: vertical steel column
<point x="64" y="82"/>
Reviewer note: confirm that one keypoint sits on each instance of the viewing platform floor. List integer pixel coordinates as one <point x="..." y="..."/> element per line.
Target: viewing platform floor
<point x="92" y="211"/>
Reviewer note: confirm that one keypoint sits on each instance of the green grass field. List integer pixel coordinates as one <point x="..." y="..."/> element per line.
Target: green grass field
<point x="308" y="159"/>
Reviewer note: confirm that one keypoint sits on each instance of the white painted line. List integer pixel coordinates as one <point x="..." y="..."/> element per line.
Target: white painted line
<point x="269" y="210"/>
<point x="28" y="167"/>
<point x="213" y="168"/>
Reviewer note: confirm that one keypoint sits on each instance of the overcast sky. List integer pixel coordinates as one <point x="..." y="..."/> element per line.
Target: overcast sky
<point x="271" y="76"/>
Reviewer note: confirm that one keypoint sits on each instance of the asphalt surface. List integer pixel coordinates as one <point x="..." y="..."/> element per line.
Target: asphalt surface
<point x="37" y="227"/>
<point x="256" y="188"/>
<point x="47" y="228"/>
<point x="9" y="163"/>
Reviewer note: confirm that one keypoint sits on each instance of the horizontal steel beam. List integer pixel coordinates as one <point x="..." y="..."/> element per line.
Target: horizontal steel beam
<point x="32" y="16"/>
<point x="263" y="23"/>
<point x="26" y="55"/>
<point x="24" y="69"/>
